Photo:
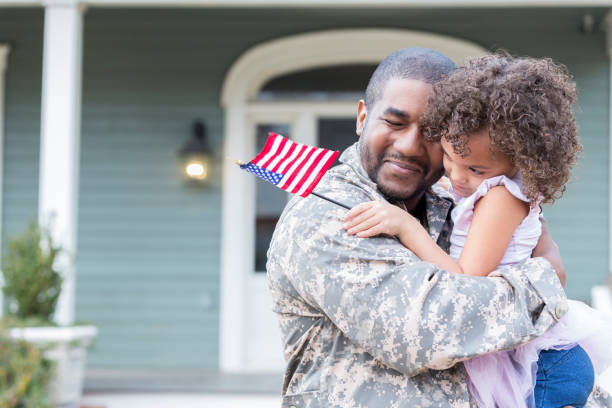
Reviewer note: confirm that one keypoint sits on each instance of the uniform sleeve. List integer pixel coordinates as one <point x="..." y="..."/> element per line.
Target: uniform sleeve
<point x="406" y="313"/>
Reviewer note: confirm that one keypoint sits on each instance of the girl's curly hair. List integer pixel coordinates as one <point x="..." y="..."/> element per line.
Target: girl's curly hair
<point x="526" y="105"/>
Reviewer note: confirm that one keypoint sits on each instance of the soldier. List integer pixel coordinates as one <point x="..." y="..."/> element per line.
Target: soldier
<point x="364" y="322"/>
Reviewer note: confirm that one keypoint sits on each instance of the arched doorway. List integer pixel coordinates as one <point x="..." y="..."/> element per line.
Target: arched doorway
<point x="249" y="337"/>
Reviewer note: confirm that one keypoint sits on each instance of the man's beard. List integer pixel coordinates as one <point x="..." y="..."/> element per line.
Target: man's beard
<point x="373" y="166"/>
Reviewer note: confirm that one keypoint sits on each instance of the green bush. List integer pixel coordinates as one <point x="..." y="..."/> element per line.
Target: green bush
<point x="31" y="285"/>
<point x="24" y="375"/>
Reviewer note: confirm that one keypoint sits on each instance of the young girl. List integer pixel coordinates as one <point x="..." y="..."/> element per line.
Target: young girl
<point x="509" y="141"/>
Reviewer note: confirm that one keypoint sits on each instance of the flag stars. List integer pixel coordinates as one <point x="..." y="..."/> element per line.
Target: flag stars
<point x="267" y="175"/>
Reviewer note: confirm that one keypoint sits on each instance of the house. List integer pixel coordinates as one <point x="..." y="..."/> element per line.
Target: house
<point x="98" y="97"/>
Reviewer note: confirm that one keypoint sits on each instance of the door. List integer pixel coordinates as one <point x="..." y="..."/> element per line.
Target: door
<point x="263" y="348"/>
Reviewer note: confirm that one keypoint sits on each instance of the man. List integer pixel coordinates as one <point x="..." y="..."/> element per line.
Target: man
<point x="364" y="322"/>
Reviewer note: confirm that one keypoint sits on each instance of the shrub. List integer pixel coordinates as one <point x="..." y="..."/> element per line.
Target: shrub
<point x="31" y="284"/>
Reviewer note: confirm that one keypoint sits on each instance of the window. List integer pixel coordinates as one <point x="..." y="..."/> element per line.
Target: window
<point x="342" y="82"/>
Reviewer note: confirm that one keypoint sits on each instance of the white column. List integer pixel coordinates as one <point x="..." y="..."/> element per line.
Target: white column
<point x="60" y="139"/>
<point x="4" y="51"/>
<point x="236" y="249"/>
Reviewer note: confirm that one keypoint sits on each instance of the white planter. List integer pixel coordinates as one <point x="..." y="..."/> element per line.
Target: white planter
<point x="66" y="347"/>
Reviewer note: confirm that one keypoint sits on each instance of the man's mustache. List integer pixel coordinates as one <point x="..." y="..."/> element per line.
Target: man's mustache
<point x="400" y="158"/>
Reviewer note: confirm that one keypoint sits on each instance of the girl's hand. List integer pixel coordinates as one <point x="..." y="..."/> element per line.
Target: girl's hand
<point x="377" y="217"/>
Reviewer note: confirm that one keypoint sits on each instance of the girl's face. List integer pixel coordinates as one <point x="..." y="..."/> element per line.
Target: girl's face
<point x="466" y="173"/>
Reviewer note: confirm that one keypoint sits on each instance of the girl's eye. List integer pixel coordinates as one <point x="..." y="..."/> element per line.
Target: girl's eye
<point x="476" y="172"/>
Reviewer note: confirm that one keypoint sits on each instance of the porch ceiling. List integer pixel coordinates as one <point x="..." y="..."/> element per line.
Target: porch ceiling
<point x="314" y="3"/>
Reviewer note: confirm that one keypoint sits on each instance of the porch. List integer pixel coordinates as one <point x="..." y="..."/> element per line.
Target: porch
<point x="232" y="392"/>
<point x="150" y="270"/>
<point x="150" y="389"/>
<point x="183" y="400"/>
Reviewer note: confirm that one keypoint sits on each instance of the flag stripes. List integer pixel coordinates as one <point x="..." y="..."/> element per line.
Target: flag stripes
<point x="298" y="167"/>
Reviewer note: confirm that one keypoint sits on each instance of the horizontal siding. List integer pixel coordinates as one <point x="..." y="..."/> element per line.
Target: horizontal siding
<point x="149" y="246"/>
<point x="149" y="73"/>
<point x="22" y="29"/>
<point x="161" y="271"/>
<point x="148" y="249"/>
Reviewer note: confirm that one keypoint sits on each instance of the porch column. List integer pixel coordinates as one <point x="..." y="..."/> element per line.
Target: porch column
<point x="60" y="139"/>
<point x="4" y="51"/>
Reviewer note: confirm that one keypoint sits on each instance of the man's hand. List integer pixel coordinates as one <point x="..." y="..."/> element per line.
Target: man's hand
<point x="547" y="248"/>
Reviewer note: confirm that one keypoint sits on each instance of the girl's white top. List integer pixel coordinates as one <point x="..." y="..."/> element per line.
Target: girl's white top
<point x="507" y="378"/>
<point x="525" y="236"/>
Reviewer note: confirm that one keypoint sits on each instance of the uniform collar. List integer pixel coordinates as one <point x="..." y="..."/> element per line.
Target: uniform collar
<point x="350" y="156"/>
<point x="437" y="207"/>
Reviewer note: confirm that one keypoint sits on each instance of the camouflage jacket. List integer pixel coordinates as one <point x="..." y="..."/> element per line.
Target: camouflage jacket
<point x="365" y="323"/>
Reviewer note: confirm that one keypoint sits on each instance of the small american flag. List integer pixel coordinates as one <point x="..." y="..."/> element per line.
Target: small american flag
<point x="294" y="167"/>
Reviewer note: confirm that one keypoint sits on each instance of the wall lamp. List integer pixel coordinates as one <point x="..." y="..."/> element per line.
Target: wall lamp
<point x="196" y="155"/>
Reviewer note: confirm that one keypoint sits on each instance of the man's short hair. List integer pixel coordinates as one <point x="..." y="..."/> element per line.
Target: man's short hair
<point x="422" y="64"/>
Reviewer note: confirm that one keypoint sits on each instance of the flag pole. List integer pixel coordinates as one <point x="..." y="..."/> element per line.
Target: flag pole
<point x="238" y="162"/>
<point x="330" y="200"/>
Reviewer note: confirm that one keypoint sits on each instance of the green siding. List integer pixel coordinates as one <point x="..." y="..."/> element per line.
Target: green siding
<point x="22" y="30"/>
<point x="148" y="250"/>
<point x="148" y="255"/>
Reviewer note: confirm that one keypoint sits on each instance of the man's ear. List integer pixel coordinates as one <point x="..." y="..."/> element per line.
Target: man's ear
<point x="362" y="112"/>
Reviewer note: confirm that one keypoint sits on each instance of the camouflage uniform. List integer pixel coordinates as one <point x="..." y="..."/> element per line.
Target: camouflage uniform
<point x="365" y="323"/>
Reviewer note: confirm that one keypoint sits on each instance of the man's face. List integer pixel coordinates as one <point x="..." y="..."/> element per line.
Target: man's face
<point x="393" y="152"/>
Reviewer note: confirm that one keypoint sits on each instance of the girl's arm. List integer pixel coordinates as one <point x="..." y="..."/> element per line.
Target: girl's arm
<point x="496" y="216"/>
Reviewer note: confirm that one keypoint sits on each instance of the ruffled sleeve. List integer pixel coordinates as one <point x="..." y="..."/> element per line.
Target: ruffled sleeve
<point x="525" y="236"/>
<point x="514" y="186"/>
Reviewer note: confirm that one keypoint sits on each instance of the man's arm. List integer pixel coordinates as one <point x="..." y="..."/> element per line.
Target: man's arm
<point x="408" y="314"/>
<point x="547" y="248"/>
